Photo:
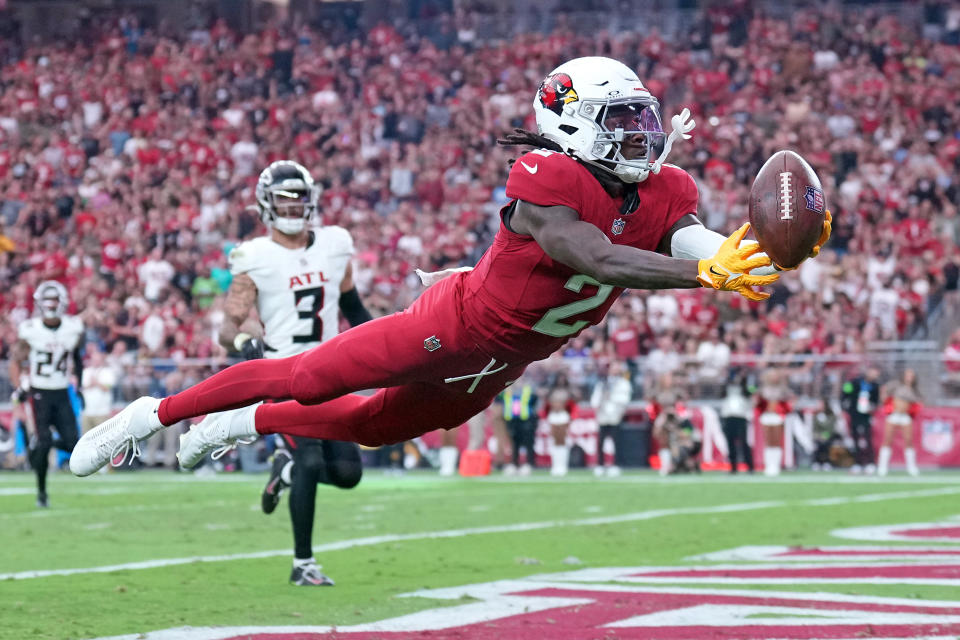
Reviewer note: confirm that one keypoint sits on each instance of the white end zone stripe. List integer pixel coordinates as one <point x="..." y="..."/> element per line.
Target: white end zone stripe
<point x="888" y="532"/>
<point x="830" y="554"/>
<point x="457" y="533"/>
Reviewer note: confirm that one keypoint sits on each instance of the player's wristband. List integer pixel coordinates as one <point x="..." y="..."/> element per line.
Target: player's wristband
<point x="240" y="339"/>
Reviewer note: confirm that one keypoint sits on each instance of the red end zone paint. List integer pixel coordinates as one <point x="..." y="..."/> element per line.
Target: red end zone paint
<point x="817" y="552"/>
<point x="947" y="531"/>
<point x="795" y="573"/>
<point x="555" y="607"/>
<point x="641" y="615"/>
<point x="932" y="532"/>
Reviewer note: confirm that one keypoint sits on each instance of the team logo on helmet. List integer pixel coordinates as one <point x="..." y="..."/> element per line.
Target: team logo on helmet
<point x="556" y="91"/>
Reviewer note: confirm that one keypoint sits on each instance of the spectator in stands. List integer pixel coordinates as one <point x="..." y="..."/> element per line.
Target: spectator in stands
<point x="98" y="165"/>
<point x="951" y="356"/>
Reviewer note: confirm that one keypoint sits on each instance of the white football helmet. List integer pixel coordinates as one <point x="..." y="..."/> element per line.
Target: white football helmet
<point x="286" y="196"/>
<point x="591" y="106"/>
<point x="51" y="299"/>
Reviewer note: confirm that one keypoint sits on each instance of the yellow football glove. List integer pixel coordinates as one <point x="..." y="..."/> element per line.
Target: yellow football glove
<point x="729" y="269"/>
<point x="824" y="236"/>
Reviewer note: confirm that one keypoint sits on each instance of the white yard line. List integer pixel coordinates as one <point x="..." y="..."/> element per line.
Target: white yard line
<point x="457" y="533"/>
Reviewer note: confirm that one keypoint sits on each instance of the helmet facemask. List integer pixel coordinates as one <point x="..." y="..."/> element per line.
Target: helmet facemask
<point x="628" y="137"/>
<point x="291" y="209"/>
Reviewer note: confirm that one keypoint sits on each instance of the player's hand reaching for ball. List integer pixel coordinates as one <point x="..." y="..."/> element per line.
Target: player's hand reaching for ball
<point x="824" y="235"/>
<point x="729" y="268"/>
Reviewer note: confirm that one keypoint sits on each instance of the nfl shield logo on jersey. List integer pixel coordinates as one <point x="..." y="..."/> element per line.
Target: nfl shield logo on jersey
<point x="432" y="343"/>
<point x="937" y="436"/>
<point x="618" y="226"/>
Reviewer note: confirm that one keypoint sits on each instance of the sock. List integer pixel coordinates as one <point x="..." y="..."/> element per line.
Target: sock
<point x="448" y="460"/>
<point x="238" y="386"/>
<point x="303" y="562"/>
<point x="883" y="461"/>
<point x="666" y="459"/>
<point x="285" y="473"/>
<point x="910" y="457"/>
<point x="771" y="460"/>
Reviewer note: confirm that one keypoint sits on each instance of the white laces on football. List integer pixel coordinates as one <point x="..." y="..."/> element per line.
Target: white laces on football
<point x="219" y="452"/>
<point x="682" y="125"/>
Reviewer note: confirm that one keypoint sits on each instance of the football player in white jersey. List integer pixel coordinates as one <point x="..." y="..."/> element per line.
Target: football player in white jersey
<point x="49" y="341"/>
<point x="299" y="279"/>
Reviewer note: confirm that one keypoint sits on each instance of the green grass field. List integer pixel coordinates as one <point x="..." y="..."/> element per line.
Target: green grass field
<point x="398" y="535"/>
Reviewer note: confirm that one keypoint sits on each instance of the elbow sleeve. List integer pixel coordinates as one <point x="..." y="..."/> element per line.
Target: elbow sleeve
<point x="696" y="242"/>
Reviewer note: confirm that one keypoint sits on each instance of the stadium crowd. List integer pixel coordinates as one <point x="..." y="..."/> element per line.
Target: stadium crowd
<point x="128" y="160"/>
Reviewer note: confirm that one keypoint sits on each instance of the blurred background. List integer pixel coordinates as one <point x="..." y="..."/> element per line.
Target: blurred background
<point x="132" y="133"/>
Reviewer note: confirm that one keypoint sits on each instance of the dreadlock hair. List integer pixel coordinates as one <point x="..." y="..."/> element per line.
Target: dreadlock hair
<point x="611" y="184"/>
<point x="529" y="138"/>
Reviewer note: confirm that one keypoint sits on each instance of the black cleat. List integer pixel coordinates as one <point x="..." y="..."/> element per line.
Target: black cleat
<point x="42" y="501"/>
<point x="275" y="484"/>
<point x="309" y="576"/>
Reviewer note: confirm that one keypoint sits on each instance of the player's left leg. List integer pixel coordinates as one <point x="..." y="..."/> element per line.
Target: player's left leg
<point x="41" y="441"/>
<point x="390" y="415"/>
<point x="389" y="351"/>
<point x="308" y="470"/>
<point x="316" y="461"/>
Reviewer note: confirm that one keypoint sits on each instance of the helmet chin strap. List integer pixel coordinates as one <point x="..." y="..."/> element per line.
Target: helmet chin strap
<point x="682" y="125"/>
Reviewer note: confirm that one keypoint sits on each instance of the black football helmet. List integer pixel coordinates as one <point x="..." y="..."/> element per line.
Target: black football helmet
<point x="286" y="196"/>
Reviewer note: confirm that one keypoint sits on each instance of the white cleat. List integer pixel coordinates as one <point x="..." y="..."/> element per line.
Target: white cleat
<point x="217" y="433"/>
<point x="113" y="438"/>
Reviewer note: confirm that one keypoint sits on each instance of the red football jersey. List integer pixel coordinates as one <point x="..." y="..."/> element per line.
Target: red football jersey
<point x="519" y="303"/>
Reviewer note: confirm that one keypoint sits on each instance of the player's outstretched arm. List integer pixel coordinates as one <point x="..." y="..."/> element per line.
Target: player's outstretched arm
<point x="583" y="247"/>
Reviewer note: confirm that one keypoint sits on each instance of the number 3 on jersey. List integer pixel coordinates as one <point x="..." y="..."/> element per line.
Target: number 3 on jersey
<point x="313" y="313"/>
<point x="550" y="323"/>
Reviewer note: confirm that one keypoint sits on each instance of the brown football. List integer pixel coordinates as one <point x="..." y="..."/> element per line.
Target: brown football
<point x="787" y="208"/>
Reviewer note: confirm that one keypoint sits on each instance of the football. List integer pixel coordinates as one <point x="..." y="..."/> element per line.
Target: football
<point x="787" y="208"/>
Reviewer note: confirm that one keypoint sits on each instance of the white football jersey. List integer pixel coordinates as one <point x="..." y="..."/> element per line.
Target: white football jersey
<point x="50" y="350"/>
<point x="298" y="290"/>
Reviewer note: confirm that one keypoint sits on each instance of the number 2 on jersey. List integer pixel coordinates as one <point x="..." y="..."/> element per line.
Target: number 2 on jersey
<point x="316" y="330"/>
<point x="550" y="323"/>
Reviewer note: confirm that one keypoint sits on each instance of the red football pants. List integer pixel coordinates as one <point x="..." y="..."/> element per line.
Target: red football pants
<point x="422" y="386"/>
